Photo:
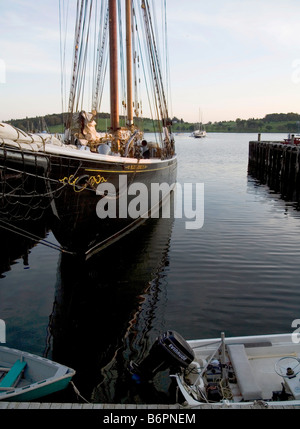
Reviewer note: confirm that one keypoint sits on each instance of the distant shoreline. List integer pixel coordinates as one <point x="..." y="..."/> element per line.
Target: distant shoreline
<point x="271" y="123"/>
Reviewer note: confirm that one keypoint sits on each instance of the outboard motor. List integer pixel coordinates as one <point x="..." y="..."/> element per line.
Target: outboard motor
<point x="170" y="350"/>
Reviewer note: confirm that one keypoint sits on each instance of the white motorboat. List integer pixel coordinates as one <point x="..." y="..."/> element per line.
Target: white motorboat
<point x="232" y="372"/>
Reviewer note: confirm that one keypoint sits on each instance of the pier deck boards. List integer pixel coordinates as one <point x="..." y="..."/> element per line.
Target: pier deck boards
<point x="78" y="406"/>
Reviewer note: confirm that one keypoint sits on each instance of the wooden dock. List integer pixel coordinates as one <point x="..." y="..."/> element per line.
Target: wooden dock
<point x="144" y="407"/>
<point x="276" y="164"/>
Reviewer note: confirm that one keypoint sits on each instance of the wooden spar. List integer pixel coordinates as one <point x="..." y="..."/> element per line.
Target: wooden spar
<point x="129" y="64"/>
<point x="113" y="55"/>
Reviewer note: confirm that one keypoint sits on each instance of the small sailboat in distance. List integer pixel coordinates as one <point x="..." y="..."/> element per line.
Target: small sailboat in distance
<point x="200" y="133"/>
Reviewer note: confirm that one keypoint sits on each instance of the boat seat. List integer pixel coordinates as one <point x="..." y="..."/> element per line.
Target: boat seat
<point x="245" y="377"/>
<point x="13" y="374"/>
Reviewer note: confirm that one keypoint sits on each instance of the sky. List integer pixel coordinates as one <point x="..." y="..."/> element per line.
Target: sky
<point x="228" y="59"/>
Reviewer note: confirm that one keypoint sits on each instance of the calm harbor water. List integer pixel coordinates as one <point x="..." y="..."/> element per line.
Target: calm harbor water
<point x="239" y="274"/>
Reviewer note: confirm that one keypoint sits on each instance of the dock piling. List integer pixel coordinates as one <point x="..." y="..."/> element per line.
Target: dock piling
<point x="276" y="164"/>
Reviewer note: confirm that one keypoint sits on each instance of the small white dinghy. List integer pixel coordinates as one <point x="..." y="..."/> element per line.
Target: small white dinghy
<point x="25" y="377"/>
<point x="231" y="372"/>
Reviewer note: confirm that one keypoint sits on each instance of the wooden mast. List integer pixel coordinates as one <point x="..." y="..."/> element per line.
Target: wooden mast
<point x="129" y="64"/>
<point x="113" y="54"/>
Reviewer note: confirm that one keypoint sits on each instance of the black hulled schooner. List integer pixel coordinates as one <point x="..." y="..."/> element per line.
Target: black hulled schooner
<point x="90" y="176"/>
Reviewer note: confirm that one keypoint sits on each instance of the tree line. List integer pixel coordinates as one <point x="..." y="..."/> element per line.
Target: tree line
<point x="272" y="122"/>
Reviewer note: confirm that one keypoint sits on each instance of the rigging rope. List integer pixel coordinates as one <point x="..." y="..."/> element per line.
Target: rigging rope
<point x="146" y="45"/>
<point x="27" y="234"/>
<point x="63" y="22"/>
<point x="100" y="63"/>
<point x="75" y="61"/>
<point x="80" y="56"/>
<point x="155" y="62"/>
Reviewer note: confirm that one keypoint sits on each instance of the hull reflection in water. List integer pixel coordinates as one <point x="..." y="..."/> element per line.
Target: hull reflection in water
<point x="106" y="313"/>
<point x="106" y="308"/>
<point x="24" y="208"/>
<point x="18" y="245"/>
